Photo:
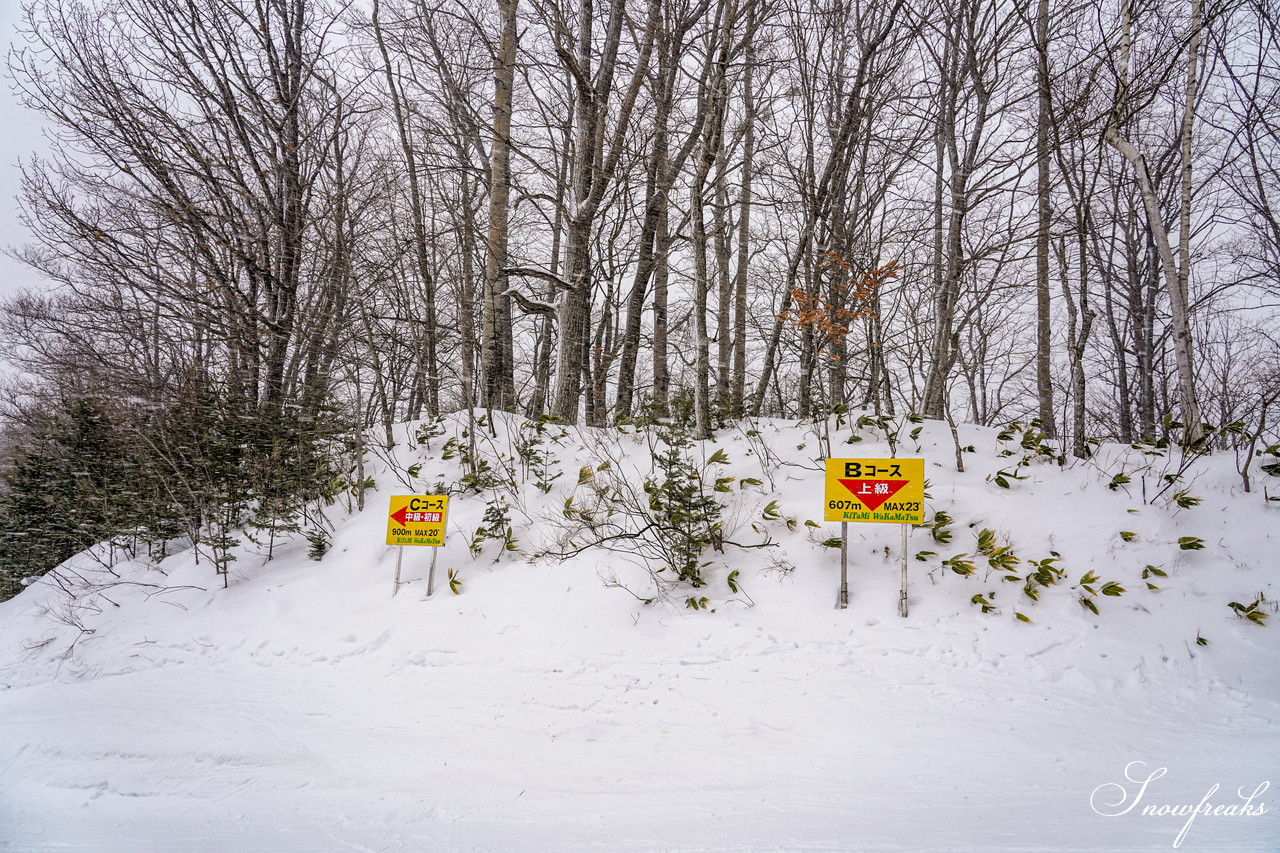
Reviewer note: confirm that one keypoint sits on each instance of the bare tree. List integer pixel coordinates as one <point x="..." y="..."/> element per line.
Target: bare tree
<point x="975" y="87"/>
<point x="1175" y="270"/>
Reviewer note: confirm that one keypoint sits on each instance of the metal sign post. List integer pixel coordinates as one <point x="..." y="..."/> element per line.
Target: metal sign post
<point x="843" y="601"/>
<point x="902" y="602"/>
<point x="399" y="560"/>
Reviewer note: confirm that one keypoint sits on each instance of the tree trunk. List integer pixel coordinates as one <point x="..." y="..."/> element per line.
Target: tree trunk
<point x="739" y="383"/>
<point x="1044" y="377"/>
<point x="1179" y="310"/>
<point x="594" y="167"/>
<point x="466" y="295"/>
<point x="701" y="264"/>
<point x="431" y="396"/>
<point x="496" y="341"/>
<point x="661" y="275"/>
<point x="657" y="189"/>
<point x="1183" y="345"/>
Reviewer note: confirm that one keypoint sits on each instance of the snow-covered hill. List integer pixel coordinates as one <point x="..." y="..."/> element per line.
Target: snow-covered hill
<point x="546" y="707"/>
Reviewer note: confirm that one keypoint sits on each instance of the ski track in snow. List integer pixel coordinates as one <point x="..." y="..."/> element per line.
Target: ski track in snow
<point x="304" y="709"/>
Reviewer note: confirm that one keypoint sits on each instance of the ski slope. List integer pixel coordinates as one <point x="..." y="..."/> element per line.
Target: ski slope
<point x="543" y="707"/>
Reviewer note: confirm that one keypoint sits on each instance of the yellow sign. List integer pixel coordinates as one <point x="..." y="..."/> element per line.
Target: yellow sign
<point x="890" y="491"/>
<point x="417" y="519"/>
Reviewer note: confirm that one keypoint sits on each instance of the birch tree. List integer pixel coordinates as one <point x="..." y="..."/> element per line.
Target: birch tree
<point x="1174" y="268"/>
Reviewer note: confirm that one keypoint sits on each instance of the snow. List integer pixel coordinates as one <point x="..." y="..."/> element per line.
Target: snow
<point x="306" y="709"/>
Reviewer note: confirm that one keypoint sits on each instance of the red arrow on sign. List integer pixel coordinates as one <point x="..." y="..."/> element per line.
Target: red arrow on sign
<point x="402" y="515"/>
<point x="872" y="493"/>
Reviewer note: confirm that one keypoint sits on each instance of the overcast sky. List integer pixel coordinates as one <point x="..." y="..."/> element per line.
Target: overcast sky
<point x="19" y="137"/>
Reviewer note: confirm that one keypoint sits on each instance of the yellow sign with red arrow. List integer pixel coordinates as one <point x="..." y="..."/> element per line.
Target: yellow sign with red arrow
<point x="888" y="491"/>
<point x="417" y="519"/>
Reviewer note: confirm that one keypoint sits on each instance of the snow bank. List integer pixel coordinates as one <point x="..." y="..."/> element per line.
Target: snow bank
<point x="305" y="708"/>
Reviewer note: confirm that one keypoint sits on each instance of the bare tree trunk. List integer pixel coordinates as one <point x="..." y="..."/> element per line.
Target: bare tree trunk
<point x="662" y="169"/>
<point x="546" y="327"/>
<point x="1174" y="279"/>
<point x="1183" y="345"/>
<point x="1080" y="180"/>
<point x="496" y="341"/>
<point x="594" y="167"/>
<point x="573" y="312"/>
<point x="724" y="286"/>
<point x="739" y="383"/>
<point x="466" y="295"/>
<point x="775" y="337"/>
<point x="431" y="397"/>
<point x="1044" y="376"/>
<point x="1124" y="401"/>
<point x="943" y="283"/>
<point x="659" y="178"/>
<point x="661" y="275"/>
<point x="645" y="264"/>
<point x="1179" y="310"/>
<point x="708" y="155"/>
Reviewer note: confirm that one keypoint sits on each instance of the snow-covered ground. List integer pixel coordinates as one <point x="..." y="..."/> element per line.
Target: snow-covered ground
<point x="305" y="708"/>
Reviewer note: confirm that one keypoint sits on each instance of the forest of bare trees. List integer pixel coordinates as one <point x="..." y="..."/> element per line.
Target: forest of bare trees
<point x="308" y="221"/>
